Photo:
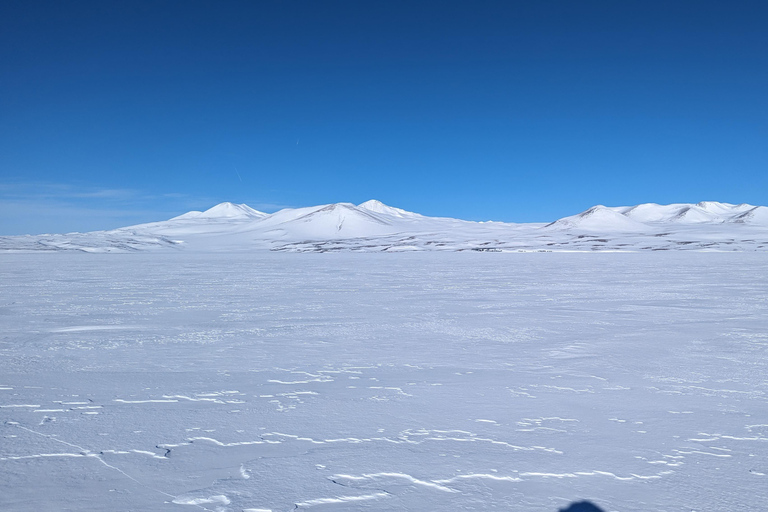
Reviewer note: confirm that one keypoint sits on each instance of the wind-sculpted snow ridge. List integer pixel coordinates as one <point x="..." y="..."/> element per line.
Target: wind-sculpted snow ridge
<point x="375" y="227"/>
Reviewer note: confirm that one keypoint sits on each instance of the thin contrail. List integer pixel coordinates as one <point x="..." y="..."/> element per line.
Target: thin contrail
<point x="238" y="174"/>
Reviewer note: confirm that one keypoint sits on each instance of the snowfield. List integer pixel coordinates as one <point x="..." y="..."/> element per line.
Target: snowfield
<point x="428" y="381"/>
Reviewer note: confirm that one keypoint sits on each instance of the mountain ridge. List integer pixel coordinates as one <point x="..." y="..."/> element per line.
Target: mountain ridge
<point x="373" y="226"/>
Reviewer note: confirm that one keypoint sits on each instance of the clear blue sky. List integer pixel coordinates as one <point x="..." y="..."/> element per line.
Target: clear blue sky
<point x="118" y="112"/>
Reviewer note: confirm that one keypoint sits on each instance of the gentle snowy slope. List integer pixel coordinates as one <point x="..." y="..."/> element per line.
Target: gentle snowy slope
<point x="379" y="207"/>
<point x="373" y="226"/>
<point x="757" y="215"/>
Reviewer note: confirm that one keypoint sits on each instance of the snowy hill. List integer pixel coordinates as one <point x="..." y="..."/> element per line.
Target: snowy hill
<point x="599" y="219"/>
<point x="232" y="211"/>
<point x="378" y="207"/>
<point x="704" y="212"/>
<point x="757" y="215"/>
<point x="224" y="211"/>
<point x="340" y="220"/>
<point x="375" y="227"/>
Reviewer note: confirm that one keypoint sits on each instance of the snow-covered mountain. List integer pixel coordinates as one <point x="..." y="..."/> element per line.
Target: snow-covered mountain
<point x="374" y="226"/>
<point x="340" y="220"/>
<point x="644" y="216"/>
<point x="600" y="219"/>
<point x="705" y="212"/>
<point x="757" y="216"/>
<point x="224" y="211"/>
<point x="378" y="207"/>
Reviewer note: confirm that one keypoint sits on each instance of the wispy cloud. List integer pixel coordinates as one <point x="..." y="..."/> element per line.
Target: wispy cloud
<point x="60" y="191"/>
<point x="44" y="207"/>
<point x="269" y="207"/>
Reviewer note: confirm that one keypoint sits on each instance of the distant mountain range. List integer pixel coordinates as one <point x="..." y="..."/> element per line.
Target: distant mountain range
<point x="642" y="216"/>
<point x="375" y="227"/>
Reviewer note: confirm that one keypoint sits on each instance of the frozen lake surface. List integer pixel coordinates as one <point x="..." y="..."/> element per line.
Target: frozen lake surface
<point x="386" y="382"/>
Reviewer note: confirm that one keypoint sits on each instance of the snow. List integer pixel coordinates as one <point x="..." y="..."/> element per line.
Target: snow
<point x="755" y="215"/>
<point x="379" y="207"/>
<point x="194" y="214"/>
<point x="231" y="210"/>
<point x="342" y="220"/>
<point x="375" y="227"/>
<point x="599" y="219"/>
<point x="260" y="381"/>
<point x="703" y="212"/>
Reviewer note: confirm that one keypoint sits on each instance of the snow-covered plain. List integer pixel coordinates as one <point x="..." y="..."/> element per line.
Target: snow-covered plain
<point x="257" y="381"/>
<point x="375" y="227"/>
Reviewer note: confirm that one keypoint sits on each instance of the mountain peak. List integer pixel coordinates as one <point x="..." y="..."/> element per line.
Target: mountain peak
<point x="599" y="218"/>
<point x="229" y="210"/>
<point x="376" y="206"/>
<point x="224" y="210"/>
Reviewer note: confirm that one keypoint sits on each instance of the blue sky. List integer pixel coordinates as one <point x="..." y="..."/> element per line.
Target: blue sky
<point x="114" y="113"/>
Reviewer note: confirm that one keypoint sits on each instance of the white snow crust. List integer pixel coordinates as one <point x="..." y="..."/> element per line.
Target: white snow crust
<point x="383" y="382"/>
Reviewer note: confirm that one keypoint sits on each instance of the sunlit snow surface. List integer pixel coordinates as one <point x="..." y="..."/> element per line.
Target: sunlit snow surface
<point x="386" y="382"/>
